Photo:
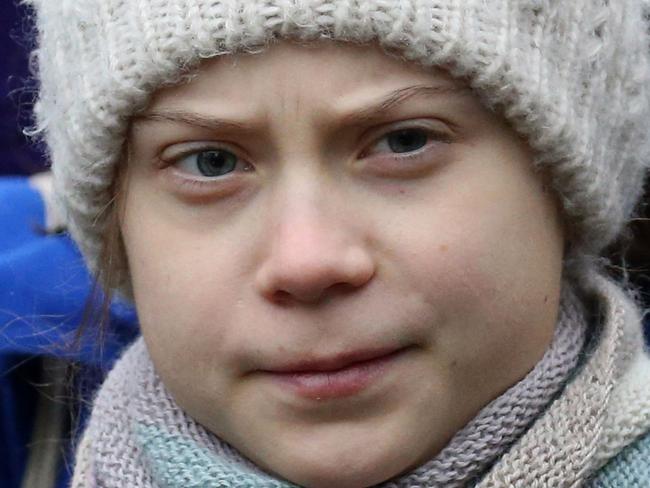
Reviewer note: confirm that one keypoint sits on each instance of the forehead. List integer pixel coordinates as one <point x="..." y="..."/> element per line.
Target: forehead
<point x="291" y="76"/>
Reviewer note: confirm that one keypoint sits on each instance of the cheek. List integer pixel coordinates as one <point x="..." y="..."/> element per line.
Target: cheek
<point x="452" y="273"/>
<point x="185" y="291"/>
<point x="488" y="264"/>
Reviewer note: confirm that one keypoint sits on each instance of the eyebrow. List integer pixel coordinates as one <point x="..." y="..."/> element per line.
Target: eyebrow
<point x="193" y="119"/>
<point x="377" y="111"/>
<point x="366" y="115"/>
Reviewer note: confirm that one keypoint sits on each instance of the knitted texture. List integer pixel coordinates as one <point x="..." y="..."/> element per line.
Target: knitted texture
<point x="502" y="421"/>
<point x="137" y="426"/>
<point x="630" y="468"/>
<point x="570" y="76"/>
<point x="604" y="408"/>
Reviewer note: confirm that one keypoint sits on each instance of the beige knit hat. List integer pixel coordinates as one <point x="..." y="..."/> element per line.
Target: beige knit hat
<point x="571" y="76"/>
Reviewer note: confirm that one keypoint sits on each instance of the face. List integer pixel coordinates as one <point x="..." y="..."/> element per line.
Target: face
<point x="338" y="258"/>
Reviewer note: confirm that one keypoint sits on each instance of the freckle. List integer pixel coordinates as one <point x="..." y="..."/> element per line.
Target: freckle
<point x="453" y="363"/>
<point x="444" y="248"/>
<point x="546" y="299"/>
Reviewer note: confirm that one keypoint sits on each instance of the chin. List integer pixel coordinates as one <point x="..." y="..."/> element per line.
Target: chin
<point x="337" y="479"/>
<point x="341" y="470"/>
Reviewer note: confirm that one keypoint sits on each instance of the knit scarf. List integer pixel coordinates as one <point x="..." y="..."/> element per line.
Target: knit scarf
<point x="138" y="436"/>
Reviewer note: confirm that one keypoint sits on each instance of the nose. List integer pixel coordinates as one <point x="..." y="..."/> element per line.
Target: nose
<point x="312" y="254"/>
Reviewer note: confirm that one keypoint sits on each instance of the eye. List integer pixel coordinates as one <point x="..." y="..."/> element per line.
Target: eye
<point x="405" y="141"/>
<point x="209" y="163"/>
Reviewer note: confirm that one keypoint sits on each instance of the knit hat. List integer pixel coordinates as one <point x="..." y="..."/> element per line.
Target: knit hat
<point x="572" y="77"/>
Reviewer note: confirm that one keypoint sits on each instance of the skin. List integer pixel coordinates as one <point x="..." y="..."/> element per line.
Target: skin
<point x="323" y="240"/>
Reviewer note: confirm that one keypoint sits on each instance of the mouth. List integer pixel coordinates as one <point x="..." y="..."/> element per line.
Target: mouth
<point x="333" y="363"/>
<point x="336" y="377"/>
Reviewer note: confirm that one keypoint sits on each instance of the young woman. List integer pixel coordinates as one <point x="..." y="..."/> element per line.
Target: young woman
<point x="362" y="238"/>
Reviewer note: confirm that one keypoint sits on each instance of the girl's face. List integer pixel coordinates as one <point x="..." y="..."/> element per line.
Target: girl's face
<point x="299" y="210"/>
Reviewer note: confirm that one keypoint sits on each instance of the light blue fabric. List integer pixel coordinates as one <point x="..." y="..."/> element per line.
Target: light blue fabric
<point x="178" y="462"/>
<point x="629" y="469"/>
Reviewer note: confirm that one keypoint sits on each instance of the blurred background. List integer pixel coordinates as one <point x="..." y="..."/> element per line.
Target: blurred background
<point x="17" y="156"/>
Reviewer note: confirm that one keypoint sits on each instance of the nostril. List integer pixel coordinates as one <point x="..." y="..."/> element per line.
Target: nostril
<point x="282" y="298"/>
<point x="342" y="288"/>
<point x="285" y="298"/>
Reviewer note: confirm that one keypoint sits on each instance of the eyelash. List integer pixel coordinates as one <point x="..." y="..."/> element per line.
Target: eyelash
<point x="197" y="183"/>
<point x="433" y="138"/>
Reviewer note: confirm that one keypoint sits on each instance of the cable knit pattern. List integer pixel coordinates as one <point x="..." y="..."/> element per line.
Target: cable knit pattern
<point x="571" y="76"/>
<point x="138" y="436"/>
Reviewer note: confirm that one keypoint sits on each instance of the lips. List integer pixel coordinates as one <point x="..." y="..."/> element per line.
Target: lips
<point x="336" y="377"/>
<point x="333" y="363"/>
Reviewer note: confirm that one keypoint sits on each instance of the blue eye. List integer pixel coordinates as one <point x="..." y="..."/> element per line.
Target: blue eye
<point x="208" y="163"/>
<point x="407" y="140"/>
<point x="216" y="162"/>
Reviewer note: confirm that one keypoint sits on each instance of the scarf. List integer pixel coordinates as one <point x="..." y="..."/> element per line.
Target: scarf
<point x="139" y="437"/>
